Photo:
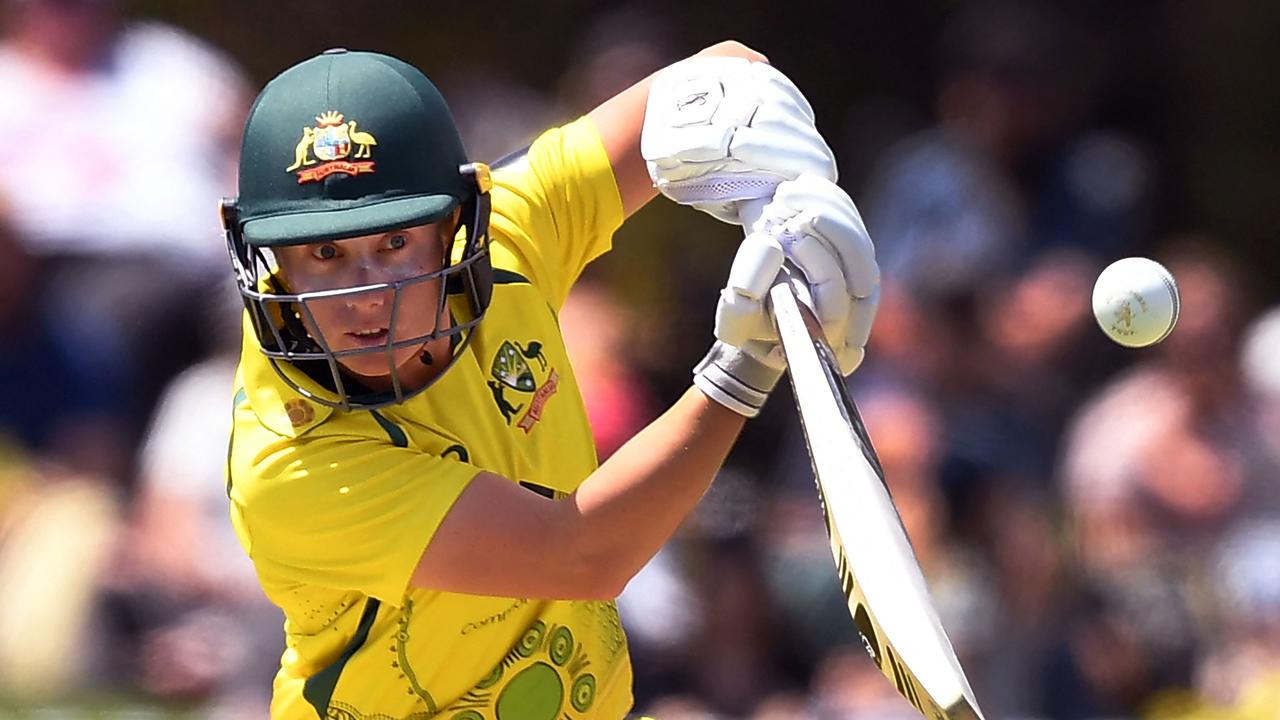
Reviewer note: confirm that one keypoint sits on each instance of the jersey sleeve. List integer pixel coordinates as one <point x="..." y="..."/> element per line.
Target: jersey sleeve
<point x="557" y="205"/>
<point x="347" y="513"/>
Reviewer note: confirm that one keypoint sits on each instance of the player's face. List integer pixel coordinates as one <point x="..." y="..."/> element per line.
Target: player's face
<point x="363" y="320"/>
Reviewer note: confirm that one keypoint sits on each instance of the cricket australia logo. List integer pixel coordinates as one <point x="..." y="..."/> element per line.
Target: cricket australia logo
<point x="325" y="149"/>
<point x="511" y="371"/>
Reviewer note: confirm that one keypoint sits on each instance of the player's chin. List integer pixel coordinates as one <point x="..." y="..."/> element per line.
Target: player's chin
<point x="375" y="365"/>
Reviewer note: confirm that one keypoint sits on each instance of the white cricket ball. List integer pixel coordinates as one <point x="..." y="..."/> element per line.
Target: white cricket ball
<point x="1136" y="302"/>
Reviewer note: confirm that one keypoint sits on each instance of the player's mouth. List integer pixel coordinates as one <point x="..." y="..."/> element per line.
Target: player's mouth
<point x="369" y="337"/>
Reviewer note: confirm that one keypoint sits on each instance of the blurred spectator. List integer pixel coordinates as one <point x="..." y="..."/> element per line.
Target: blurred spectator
<point x="1104" y="667"/>
<point x="907" y="431"/>
<point x="496" y="114"/>
<point x="1260" y="365"/>
<point x="734" y="666"/>
<point x="597" y="334"/>
<point x="1011" y="165"/>
<point x="701" y="618"/>
<point x="785" y="705"/>
<point x="59" y="444"/>
<point x="618" y="46"/>
<point x="193" y="623"/>
<point x="1139" y="454"/>
<point x="848" y="686"/>
<point x="681" y="707"/>
<point x="137" y="128"/>
<point x="1023" y="599"/>
<point x="1242" y="666"/>
<point x="1012" y="387"/>
<point x="61" y="405"/>
<point x="1239" y="674"/>
<point x="661" y="611"/>
<point x="1154" y="471"/>
<point x="990" y="227"/>
<point x="129" y="136"/>
<point x="56" y="531"/>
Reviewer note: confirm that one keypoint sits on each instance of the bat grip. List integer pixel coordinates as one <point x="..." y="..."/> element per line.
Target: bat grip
<point x="791" y="279"/>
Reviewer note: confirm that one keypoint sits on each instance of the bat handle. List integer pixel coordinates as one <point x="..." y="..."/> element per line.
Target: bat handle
<point x="791" y="281"/>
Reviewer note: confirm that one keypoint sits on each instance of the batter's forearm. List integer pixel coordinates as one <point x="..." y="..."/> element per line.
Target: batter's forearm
<point x="500" y="539"/>
<point x="633" y="503"/>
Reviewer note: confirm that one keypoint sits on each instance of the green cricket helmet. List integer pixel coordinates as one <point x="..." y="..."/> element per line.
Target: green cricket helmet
<point x="343" y="145"/>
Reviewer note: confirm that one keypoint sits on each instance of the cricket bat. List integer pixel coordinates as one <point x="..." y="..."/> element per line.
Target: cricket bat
<point x="877" y="568"/>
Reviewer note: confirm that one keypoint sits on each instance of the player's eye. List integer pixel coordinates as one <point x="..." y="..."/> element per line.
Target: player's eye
<point x="395" y="242"/>
<point x="324" y="252"/>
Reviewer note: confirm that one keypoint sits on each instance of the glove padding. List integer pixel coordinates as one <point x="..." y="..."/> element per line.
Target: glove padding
<point x="718" y="130"/>
<point x="814" y="226"/>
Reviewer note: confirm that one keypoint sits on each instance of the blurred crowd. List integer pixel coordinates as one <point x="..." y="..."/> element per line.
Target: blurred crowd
<point x="1100" y="528"/>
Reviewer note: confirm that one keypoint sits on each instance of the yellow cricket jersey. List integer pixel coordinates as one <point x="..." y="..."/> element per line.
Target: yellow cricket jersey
<point x="335" y="508"/>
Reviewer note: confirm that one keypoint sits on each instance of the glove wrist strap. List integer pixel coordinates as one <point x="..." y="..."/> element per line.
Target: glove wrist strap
<point x="735" y="379"/>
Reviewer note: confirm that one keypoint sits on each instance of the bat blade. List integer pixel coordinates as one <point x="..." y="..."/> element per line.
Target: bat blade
<point x="878" y="570"/>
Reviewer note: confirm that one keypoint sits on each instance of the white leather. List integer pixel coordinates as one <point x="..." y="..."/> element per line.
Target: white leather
<point x="814" y="226"/>
<point x="721" y="130"/>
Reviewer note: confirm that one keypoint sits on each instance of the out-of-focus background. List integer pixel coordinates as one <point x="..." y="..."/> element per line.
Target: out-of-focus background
<point x="1100" y="528"/>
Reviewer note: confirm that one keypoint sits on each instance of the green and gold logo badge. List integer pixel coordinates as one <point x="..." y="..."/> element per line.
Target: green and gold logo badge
<point x="511" y="371"/>
<point x="326" y="149"/>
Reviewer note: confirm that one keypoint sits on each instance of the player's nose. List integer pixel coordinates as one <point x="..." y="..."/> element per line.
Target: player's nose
<point x="370" y="299"/>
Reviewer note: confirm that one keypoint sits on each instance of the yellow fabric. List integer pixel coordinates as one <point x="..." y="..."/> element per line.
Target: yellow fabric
<point x="1260" y="699"/>
<point x="335" y="508"/>
<point x="1257" y="699"/>
<point x="557" y="209"/>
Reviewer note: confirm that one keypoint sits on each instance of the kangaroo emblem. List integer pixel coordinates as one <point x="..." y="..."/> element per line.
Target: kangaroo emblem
<point x="301" y="153"/>
<point x="507" y="409"/>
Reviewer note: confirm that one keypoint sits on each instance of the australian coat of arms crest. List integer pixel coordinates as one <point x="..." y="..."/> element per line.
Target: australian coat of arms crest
<point x="511" y="371"/>
<point x="326" y="149"/>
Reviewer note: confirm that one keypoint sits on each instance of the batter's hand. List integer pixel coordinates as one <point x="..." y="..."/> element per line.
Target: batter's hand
<point x="812" y="224"/>
<point x="719" y="130"/>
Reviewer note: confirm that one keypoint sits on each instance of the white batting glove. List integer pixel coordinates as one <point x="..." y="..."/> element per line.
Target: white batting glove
<point x="813" y="225"/>
<point x="718" y="130"/>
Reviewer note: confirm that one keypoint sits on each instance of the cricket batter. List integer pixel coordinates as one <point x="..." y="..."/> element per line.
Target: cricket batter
<point x="411" y="468"/>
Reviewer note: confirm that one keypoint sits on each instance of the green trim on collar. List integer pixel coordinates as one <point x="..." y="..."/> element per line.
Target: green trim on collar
<point x="457" y="451"/>
<point x="398" y="438"/>
<point x="507" y="277"/>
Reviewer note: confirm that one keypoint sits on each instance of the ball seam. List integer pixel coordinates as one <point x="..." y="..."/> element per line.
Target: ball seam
<point x="1172" y="287"/>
